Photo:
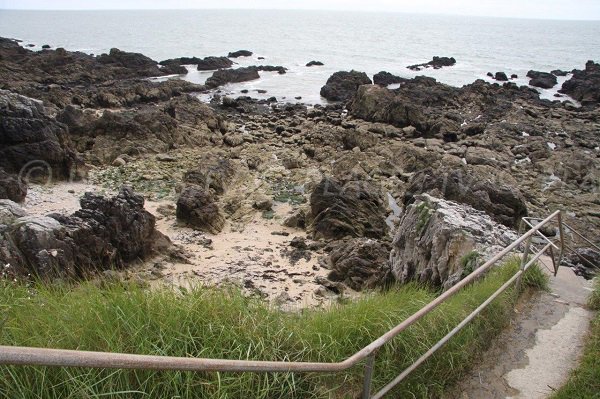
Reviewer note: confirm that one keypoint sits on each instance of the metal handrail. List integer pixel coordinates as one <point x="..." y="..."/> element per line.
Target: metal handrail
<point x="13" y="355"/>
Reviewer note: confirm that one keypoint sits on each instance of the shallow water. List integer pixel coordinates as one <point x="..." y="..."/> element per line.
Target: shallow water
<point x="364" y="41"/>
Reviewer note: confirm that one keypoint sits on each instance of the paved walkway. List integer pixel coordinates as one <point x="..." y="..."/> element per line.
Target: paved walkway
<point x="542" y="345"/>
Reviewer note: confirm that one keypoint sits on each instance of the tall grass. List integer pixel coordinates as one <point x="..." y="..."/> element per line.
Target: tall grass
<point x="225" y="324"/>
<point x="584" y="381"/>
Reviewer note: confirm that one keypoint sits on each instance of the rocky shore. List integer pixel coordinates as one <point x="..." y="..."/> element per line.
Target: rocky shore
<point x="106" y="172"/>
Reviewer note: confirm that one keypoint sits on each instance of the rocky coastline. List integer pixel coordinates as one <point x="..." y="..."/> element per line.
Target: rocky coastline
<point x="298" y="204"/>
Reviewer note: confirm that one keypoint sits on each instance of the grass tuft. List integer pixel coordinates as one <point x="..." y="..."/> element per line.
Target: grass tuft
<point x="213" y="323"/>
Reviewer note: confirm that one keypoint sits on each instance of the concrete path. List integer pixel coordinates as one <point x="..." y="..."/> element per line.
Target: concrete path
<point x="543" y="343"/>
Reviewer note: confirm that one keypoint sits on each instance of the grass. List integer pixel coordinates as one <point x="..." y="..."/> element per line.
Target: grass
<point x="225" y="324"/>
<point x="584" y="381"/>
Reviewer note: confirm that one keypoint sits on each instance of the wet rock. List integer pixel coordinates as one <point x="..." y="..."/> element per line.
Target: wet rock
<point x="174" y="69"/>
<point x="213" y="63"/>
<point x="33" y="144"/>
<point x="436" y="63"/>
<point x="240" y="53"/>
<point x="501" y="76"/>
<point x="558" y="72"/>
<point x="342" y="86"/>
<point x="584" y="86"/>
<point x="12" y="187"/>
<point x="543" y="80"/>
<point x="477" y="186"/>
<point x="384" y="78"/>
<point x="437" y="240"/>
<point x="224" y="76"/>
<point x="197" y="208"/>
<point x="271" y="68"/>
<point x="314" y="63"/>
<point x="351" y="209"/>
<point x="360" y="263"/>
<point x="144" y="66"/>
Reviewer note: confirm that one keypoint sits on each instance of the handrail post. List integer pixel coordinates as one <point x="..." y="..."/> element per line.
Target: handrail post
<point x="561" y="233"/>
<point x="524" y="262"/>
<point x="369" y="365"/>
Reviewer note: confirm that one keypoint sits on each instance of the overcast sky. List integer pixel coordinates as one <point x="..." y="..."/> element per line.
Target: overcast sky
<point x="553" y="9"/>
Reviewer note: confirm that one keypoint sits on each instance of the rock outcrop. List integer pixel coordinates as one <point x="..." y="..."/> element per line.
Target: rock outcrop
<point x="341" y="86"/>
<point x="360" y="263"/>
<point x="351" y="209"/>
<point x="197" y="208"/>
<point x="11" y="187"/>
<point x="435" y="63"/>
<point x="477" y="186"/>
<point x="105" y="233"/>
<point x="437" y="241"/>
<point x="240" y="53"/>
<point x="384" y="78"/>
<point x="224" y="76"/>
<point x="212" y="63"/>
<point x="314" y="63"/>
<point x="584" y="86"/>
<point x="32" y="143"/>
<point x="542" y="80"/>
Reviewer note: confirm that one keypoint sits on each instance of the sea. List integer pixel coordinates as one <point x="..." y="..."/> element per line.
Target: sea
<point x="363" y="41"/>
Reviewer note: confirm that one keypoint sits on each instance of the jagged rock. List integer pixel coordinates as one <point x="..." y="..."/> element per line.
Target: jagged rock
<point x="33" y="143"/>
<point x="353" y="209"/>
<point x="360" y="263"/>
<point x="558" y="72"/>
<point x="224" y="76"/>
<point x="182" y="61"/>
<point x="271" y="68"/>
<point x="10" y="211"/>
<point x="584" y="86"/>
<point x="105" y="233"/>
<point x="212" y="63"/>
<point x="314" y="63"/>
<point x="477" y="186"/>
<point x="197" y="208"/>
<point x="384" y="78"/>
<point x="543" y="80"/>
<point x="436" y="241"/>
<point x="342" y="85"/>
<point x="11" y="187"/>
<point x="240" y="53"/>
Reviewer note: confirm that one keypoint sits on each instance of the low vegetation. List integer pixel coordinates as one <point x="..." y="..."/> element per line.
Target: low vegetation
<point x="210" y="323"/>
<point x="584" y="381"/>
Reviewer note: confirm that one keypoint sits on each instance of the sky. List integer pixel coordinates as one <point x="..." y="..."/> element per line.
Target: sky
<point x="544" y="9"/>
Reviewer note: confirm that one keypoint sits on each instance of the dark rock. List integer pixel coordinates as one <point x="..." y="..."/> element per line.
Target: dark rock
<point x="197" y="208"/>
<point x="501" y="76"/>
<point x="476" y="186"/>
<point x="558" y="72"/>
<point x="491" y="75"/>
<point x="45" y="46"/>
<point x="144" y="66"/>
<point x="270" y="68"/>
<point x="514" y="76"/>
<point x="384" y="78"/>
<point x="32" y="143"/>
<point x="543" y="80"/>
<point x="182" y="61"/>
<point x="11" y="187"/>
<point x="224" y="76"/>
<point x="360" y="263"/>
<point x="314" y="63"/>
<point x="103" y="234"/>
<point x="584" y="86"/>
<point x="174" y="69"/>
<point x="213" y="63"/>
<point x="353" y="209"/>
<point x="342" y="86"/>
<point x="436" y="63"/>
<point x="240" y="53"/>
